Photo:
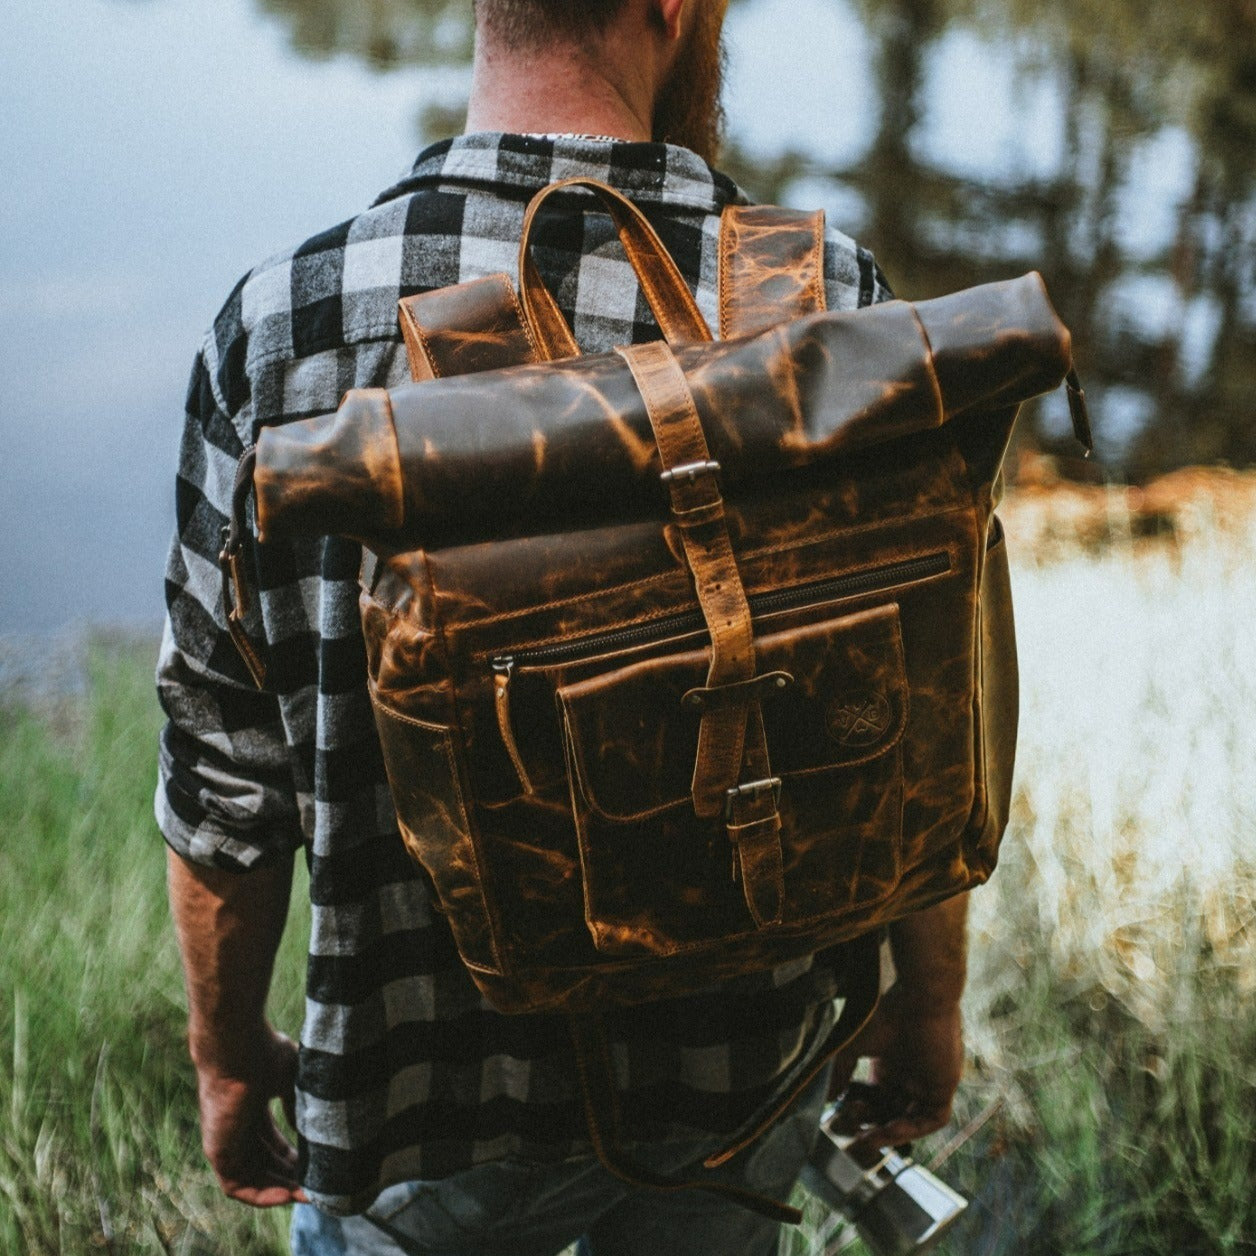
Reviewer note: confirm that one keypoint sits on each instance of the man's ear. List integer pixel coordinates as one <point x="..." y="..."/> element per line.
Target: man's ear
<point x="671" y="15"/>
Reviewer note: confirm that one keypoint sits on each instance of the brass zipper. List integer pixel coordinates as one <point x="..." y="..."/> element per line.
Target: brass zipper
<point x="870" y="580"/>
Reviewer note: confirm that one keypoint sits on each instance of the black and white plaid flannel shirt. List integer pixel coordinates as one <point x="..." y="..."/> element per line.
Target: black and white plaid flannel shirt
<point x="405" y="1072"/>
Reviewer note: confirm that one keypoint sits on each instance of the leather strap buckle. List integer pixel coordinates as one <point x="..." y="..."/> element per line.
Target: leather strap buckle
<point x="752" y="790"/>
<point x="690" y="471"/>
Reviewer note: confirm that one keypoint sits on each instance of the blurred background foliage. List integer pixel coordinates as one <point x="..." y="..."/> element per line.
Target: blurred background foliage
<point x="386" y="34"/>
<point x="1111" y="1096"/>
<point x="1110" y="144"/>
<point x="1166" y="331"/>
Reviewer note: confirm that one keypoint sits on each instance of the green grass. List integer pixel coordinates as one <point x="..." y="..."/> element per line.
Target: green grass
<point x="99" y="1148"/>
<point x="1108" y="1139"/>
<point x="1110" y="1014"/>
<point x="1113" y="1138"/>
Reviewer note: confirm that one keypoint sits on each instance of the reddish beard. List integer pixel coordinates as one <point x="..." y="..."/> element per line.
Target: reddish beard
<point x="688" y="110"/>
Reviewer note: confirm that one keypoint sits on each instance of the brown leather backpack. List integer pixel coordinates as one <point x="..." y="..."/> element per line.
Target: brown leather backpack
<point x="694" y="657"/>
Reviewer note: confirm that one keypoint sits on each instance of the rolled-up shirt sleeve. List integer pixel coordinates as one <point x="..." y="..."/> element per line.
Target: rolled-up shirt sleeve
<point x="225" y="793"/>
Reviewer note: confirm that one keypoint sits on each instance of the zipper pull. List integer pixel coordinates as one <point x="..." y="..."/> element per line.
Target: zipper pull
<point x="503" y="669"/>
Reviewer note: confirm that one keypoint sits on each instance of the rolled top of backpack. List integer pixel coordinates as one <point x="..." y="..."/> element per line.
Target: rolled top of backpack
<point x="524" y="449"/>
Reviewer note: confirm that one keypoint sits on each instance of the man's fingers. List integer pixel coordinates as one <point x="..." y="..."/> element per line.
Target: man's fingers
<point x="288" y="1100"/>
<point x="278" y="1144"/>
<point x="864" y="1104"/>
<point x="281" y="1159"/>
<point x="254" y="1161"/>
<point x="284" y="1079"/>
<point x="261" y="1173"/>
<point x="872" y="1040"/>
<point x="275" y="1196"/>
<point x="903" y="1129"/>
<point x="269" y="1180"/>
<point x="851" y="1116"/>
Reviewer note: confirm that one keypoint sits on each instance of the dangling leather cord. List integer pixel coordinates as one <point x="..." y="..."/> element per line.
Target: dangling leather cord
<point x="235" y="602"/>
<point x="860" y="1003"/>
<point x="1078" y="411"/>
<point x="597" y="1088"/>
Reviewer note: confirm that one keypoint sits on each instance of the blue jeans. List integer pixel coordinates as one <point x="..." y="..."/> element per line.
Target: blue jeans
<point x="514" y="1208"/>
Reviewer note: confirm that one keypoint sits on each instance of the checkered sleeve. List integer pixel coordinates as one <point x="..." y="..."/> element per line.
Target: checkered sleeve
<point x="852" y="277"/>
<point x="225" y="793"/>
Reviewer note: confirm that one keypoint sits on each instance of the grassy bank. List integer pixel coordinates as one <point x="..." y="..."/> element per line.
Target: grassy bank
<point x="1111" y="1001"/>
<point x="1111" y="1016"/>
<point x="1110" y="1011"/>
<point x="99" y="1149"/>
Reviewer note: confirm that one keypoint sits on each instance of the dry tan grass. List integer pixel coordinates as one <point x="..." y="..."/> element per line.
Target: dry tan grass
<point x="1133" y="843"/>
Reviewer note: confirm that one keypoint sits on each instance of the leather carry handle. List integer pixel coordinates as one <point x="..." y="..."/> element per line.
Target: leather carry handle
<point x="771" y="267"/>
<point x="665" y="289"/>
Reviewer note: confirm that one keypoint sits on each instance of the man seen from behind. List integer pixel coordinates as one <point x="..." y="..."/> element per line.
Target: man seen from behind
<point x="426" y="1122"/>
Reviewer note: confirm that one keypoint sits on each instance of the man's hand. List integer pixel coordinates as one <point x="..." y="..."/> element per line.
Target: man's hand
<point x="915" y="1037"/>
<point x="917" y="1056"/>
<point x="253" y="1160"/>
<point x="228" y="925"/>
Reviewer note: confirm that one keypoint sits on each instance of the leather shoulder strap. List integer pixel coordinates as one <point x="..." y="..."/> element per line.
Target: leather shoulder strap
<point x="468" y="327"/>
<point x="602" y="1107"/>
<point x="771" y="267"/>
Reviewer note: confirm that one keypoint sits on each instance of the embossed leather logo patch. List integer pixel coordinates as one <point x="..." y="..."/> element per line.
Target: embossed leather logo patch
<point x="858" y="718"/>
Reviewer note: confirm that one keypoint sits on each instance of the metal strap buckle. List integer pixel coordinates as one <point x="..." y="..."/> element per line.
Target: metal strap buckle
<point x="752" y="790"/>
<point x="690" y="471"/>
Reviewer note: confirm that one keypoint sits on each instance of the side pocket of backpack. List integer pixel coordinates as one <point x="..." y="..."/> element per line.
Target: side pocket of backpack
<point x="997" y="704"/>
<point x="411" y="696"/>
<point x="435" y="824"/>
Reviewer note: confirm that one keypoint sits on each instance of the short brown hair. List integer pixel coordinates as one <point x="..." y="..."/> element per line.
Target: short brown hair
<point x="529" y="23"/>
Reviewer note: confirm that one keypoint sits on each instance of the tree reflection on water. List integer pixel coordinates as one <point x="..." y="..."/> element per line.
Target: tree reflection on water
<point x="1157" y="282"/>
<point x="385" y="33"/>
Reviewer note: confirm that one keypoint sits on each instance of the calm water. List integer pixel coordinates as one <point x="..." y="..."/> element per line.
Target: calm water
<point x="153" y="151"/>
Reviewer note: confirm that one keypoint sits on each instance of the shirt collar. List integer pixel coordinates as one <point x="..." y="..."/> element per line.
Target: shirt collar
<point x="664" y="174"/>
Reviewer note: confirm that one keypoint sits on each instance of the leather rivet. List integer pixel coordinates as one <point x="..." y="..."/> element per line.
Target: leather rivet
<point x="780" y="682"/>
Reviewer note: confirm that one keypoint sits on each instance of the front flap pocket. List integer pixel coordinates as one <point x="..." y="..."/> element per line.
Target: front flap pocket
<point x="632" y="738"/>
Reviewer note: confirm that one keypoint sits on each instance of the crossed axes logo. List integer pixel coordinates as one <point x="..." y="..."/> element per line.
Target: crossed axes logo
<point x="858" y="719"/>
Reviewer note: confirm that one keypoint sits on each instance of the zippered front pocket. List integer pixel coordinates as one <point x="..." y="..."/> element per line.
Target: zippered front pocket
<point x="877" y="579"/>
<point x="529" y="751"/>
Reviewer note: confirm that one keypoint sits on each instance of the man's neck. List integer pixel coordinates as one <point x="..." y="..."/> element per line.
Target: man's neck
<point x="556" y="91"/>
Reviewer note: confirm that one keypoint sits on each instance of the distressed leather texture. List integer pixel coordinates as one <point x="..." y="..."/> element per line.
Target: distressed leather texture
<point x="549" y="634"/>
<point x="771" y="260"/>
<point x="457" y="462"/>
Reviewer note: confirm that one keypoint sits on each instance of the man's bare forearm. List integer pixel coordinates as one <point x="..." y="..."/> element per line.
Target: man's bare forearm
<point x="228" y="926"/>
<point x="915" y="1038"/>
<point x="930" y="950"/>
